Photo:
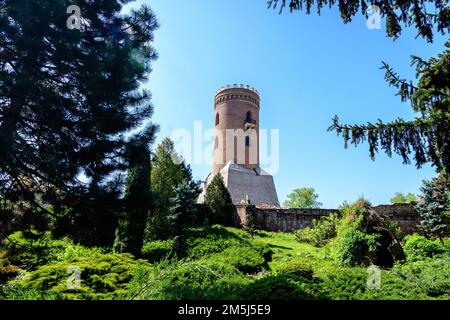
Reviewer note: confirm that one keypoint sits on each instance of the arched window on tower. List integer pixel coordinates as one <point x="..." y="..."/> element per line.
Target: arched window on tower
<point x="250" y="123"/>
<point x="247" y="141"/>
<point x="248" y="117"/>
<point x="217" y="119"/>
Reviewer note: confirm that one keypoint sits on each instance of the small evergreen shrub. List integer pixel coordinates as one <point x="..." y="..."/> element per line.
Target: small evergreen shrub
<point x="296" y="267"/>
<point x="192" y="280"/>
<point x="282" y="287"/>
<point x="418" y="247"/>
<point x="219" y="203"/>
<point x="103" y="276"/>
<point x="246" y="259"/>
<point x="35" y="249"/>
<point x="157" y="250"/>
<point x="344" y="283"/>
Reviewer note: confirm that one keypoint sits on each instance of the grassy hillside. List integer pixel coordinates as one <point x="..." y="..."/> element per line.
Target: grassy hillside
<point x="221" y="263"/>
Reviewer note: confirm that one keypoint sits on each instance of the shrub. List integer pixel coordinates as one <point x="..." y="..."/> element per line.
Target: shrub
<point x="425" y="279"/>
<point x="203" y="242"/>
<point x="246" y="259"/>
<point x="418" y="247"/>
<point x="322" y="232"/>
<point x="35" y="249"/>
<point x="103" y="276"/>
<point x="219" y="203"/>
<point x="344" y="283"/>
<point x="181" y="280"/>
<point x="282" y="287"/>
<point x="155" y="251"/>
<point x="296" y="267"/>
<point x="351" y="245"/>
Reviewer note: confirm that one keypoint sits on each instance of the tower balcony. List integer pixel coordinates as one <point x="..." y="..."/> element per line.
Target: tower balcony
<point x="250" y="124"/>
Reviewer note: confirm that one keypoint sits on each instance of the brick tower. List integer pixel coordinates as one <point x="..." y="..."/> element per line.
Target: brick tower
<point x="236" y="147"/>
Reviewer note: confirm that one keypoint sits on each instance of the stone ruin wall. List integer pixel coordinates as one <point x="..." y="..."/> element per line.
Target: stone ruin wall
<point x="289" y="220"/>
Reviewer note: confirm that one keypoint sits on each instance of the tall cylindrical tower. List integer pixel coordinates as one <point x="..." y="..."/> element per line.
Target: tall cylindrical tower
<point x="236" y="127"/>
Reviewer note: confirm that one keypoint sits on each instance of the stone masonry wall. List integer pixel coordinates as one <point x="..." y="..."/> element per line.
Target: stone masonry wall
<point x="289" y="220"/>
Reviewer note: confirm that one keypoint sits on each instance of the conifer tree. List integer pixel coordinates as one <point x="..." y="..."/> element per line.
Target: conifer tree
<point x="138" y="196"/>
<point x="433" y="204"/>
<point x="427" y="137"/>
<point x="218" y="201"/>
<point x="69" y="91"/>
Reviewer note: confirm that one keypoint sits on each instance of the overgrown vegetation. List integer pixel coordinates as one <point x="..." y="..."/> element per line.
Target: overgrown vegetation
<point x="224" y="263"/>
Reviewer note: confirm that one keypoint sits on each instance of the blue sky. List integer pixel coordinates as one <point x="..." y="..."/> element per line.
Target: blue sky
<point x="307" y="69"/>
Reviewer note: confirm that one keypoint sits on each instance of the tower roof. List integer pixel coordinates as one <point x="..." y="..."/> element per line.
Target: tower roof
<point x="237" y="86"/>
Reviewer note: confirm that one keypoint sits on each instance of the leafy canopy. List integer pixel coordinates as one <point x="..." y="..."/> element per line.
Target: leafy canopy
<point x="403" y="198"/>
<point x="302" y="198"/>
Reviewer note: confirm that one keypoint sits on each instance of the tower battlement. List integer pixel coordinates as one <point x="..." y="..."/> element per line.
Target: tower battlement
<point x="236" y="86"/>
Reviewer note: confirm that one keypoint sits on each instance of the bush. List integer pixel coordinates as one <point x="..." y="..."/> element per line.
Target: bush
<point x="418" y="247"/>
<point x="35" y="249"/>
<point x="296" y="267"/>
<point x="246" y="259"/>
<point x="282" y="287"/>
<point x="155" y="251"/>
<point x="203" y="242"/>
<point x="426" y="279"/>
<point x="344" y="283"/>
<point x="219" y="203"/>
<point x="322" y="232"/>
<point x="193" y="280"/>
<point x="103" y="276"/>
<point x="352" y="246"/>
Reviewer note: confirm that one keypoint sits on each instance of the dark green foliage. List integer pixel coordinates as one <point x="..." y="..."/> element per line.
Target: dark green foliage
<point x="344" y="283"/>
<point x="218" y="200"/>
<point x="157" y="250"/>
<point x="68" y="97"/>
<point x="421" y="280"/>
<point x="247" y="259"/>
<point x="195" y="280"/>
<point x="426" y="137"/>
<point x="283" y="287"/>
<point x="424" y="15"/>
<point x="183" y="210"/>
<point x="130" y="232"/>
<point x="323" y="230"/>
<point x="250" y="217"/>
<point x="175" y="193"/>
<point x="419" y="248"/>
<point x="434" y="203"/>
<point x="297" y="267"/>
<point x="103" y="276"/>
<point x="33" y="249"/>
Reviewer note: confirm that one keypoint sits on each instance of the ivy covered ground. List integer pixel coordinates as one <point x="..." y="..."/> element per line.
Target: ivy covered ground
<point x="220" y="263"/>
